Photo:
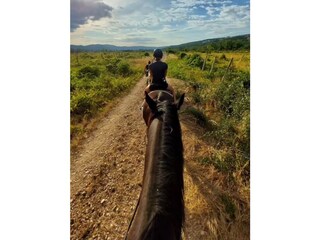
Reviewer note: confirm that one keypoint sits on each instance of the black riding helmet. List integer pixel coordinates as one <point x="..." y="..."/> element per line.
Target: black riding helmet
<point x="157" y="53"/>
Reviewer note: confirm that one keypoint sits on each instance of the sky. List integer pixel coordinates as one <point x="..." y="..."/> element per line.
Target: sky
<point x="156" y="22"/>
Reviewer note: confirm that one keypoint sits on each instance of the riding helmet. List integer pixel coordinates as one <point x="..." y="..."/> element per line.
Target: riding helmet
<point x="157" y="53"/>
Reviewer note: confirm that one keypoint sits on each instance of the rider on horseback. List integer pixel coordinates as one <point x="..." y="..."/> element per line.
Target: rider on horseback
<point x="146" y="68"/>
<point x="158" y="73"/>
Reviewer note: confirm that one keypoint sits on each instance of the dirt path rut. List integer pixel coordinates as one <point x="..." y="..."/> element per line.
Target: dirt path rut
<point x="106" y="174"/>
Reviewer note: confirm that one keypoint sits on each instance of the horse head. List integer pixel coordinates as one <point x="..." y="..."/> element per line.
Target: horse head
<point x="151" y="104"/>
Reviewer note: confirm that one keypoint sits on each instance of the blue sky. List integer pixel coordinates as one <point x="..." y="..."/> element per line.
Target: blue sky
<point x="156" y="22"/>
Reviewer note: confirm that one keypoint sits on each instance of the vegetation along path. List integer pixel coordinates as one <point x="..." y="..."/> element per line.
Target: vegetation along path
<point x="106" y="176"/>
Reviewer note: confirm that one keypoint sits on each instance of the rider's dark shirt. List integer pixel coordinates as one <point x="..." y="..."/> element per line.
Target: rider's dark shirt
<point x="158" y="70"/>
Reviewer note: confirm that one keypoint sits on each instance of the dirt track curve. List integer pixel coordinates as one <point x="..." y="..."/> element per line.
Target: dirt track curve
<point x="106" y="175"/>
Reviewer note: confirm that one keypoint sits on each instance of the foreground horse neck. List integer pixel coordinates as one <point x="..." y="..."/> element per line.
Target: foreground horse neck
<point x="159" y="214"/>
<point x="144" y="212"/>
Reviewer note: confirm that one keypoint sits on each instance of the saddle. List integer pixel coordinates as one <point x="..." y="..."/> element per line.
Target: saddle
<point x="161" y="95"/>
<point x="158" y="86"/>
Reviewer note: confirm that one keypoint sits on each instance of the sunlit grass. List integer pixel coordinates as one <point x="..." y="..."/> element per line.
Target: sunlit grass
<point x="96" y="80"/>
<point x="219" y="103"/>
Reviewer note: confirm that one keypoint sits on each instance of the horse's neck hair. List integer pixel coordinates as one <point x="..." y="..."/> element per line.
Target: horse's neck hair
<point x="161" y="228"/>
<point x="160" y="213"/>
<point x="168" y="197"/>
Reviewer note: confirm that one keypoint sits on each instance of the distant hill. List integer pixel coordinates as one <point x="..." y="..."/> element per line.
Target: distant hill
<point x="227" y="43"/>
<point x="241" y="42"/>
<point x="107" y="47"/>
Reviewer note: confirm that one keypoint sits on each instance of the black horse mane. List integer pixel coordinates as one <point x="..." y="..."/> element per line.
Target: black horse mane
<point x="168" y="199"/>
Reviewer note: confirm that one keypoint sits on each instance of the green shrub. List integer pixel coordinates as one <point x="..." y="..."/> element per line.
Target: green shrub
<point x="123" y="68"/>
<point x="118" y="66"/>
<point x="112" y="65"/>
<point x="82" y="104"/>
<point x="183" y="55"/>
<point x="171" y="51"/>
<point x="232" y="97"/>
<point x="195" y="60"/>
<point x="89" y="72"/>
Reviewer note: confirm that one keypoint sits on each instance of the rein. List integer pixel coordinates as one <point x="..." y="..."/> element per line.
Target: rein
<point x="134" y="214"/>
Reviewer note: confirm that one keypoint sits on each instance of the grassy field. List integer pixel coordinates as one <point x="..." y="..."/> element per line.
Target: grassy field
<point x="219" y="103"/>
<point x="97" y="79"/>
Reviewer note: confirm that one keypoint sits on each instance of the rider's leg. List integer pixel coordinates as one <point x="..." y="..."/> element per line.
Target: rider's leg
<point x="147" y="89"/>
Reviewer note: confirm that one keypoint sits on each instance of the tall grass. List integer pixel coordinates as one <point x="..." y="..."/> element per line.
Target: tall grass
<point x="220" y="103"/>
<point x="97" y="79"/>
<point x="226" y="102"/>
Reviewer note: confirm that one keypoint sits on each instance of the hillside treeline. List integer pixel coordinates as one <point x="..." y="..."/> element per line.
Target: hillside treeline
<point x="239" y="43"/>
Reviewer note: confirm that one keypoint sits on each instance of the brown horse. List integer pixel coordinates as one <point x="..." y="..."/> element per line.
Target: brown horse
<point x="159" y="214"/>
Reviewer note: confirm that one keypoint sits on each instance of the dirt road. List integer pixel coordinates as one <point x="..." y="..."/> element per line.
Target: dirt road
<point x="106" y="176"/>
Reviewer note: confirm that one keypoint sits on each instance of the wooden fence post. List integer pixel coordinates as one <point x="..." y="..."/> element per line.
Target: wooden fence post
<point x="204" y="63"/>
<point x="213" y="62"/>
<point x="227" y="68"/>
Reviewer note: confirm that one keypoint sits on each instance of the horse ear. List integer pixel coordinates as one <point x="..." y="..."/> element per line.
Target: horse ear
<point x="179" y="102"/>
<point x="152" y="104"/>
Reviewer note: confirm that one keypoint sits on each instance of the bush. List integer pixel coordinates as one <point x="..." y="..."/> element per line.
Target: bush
<point x="146" y="54"/>
<point x="89" y="72"/>
<point x="82" y="104"/>
<point x="123" y="68"/>
<point x="183" y="55"/>
<point x="111" y="66"/>
<point x="118" y="66"/>
<point x="232" y="97"/>
<point x="195" y="60"/>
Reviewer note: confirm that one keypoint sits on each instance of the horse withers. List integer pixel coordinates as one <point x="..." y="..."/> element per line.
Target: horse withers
<point x="159" y="214"/>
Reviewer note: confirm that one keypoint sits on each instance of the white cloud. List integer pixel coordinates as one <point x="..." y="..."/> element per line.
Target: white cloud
<point x="158" y="23"/>
<point x="82" y="11"/>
